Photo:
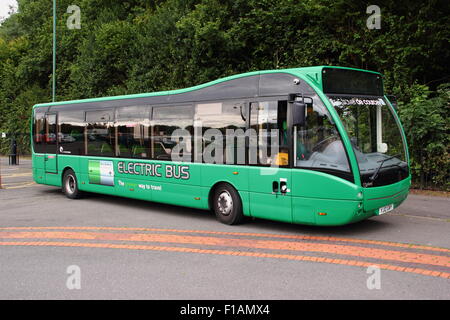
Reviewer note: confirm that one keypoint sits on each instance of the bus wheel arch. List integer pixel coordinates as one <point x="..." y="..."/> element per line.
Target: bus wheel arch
<point x="69" y="184"/>
<point x="224" y="200"/>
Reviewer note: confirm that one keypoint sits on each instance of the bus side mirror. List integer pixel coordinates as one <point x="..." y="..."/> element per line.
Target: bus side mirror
<point x="299" y="113"/>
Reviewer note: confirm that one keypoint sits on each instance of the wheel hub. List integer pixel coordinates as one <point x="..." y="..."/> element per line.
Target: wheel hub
<point x="70" y="185"/>
<point x="225" y="203"/>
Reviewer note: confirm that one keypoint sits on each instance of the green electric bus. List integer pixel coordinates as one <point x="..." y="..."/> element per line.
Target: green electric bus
<point x="318" y="145"/>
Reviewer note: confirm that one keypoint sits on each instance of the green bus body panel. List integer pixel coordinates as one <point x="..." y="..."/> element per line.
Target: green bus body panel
<point x="313" y="197"/>
<point x="51" y="163"/>
<point x="315" y="192"/>
<point x="307" y="197"/>
<point x="38" y="166"/>
<point x="264" y="203"/>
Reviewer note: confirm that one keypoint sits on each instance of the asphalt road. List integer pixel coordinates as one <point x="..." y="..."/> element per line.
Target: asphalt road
<point x="130" y="249"/>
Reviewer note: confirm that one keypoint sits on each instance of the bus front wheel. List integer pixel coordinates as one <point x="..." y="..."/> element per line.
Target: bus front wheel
<point x="227" y="205"/>
<point x="70" y="185"/>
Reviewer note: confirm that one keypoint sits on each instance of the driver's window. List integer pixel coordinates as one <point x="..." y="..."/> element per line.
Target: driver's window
<point x="268" y="120"/>
<point x="317" y="144"/>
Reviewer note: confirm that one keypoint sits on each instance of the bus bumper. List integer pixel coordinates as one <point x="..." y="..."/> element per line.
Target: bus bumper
<point x="379" y="197"/>
<point x="336" y="212"/>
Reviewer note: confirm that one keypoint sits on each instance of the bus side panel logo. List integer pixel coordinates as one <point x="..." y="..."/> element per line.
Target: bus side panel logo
<point x="101" y="172"/>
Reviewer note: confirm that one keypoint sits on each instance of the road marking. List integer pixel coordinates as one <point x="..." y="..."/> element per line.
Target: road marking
<point x="19" y="185"/>
<point x="357" y="251"/>
<point x="14" y="175"/>
<point x="432" y="273"/>
<point x="265" y="235"/>
<point x="419" y="217"/>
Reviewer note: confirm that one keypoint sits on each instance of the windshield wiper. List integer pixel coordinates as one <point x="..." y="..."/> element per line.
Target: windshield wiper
<point x="375" y="175"/>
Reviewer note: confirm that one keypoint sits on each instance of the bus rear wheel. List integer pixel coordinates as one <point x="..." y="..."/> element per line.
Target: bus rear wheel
<point x="70" y="185"/>
<point x="227" y="205"/>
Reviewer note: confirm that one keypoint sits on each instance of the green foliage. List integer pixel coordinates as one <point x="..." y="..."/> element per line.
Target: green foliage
<point x="16" y="119"/>
<point x="138" y="46"/>
<point x="427" y="126"/>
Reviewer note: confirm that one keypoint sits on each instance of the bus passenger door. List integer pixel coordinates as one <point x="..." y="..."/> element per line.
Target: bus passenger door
<point x="51" y="138"/>
<point x="269" y="173"/>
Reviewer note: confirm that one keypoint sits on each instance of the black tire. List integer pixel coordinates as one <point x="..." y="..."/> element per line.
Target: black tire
<point x="227" y="204"/>
<point x="70" y="185"/>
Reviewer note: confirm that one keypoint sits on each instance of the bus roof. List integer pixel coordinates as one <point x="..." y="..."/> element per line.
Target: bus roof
<point x="313" y="74"/>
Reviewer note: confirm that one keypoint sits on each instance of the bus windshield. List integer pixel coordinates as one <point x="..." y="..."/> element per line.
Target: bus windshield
<point x="376" y="138"/>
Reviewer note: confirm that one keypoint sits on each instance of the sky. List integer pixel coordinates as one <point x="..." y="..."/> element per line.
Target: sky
<point x="4" y="7"/>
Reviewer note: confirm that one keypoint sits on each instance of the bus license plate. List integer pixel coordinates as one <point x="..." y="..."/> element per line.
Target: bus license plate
<point x="385" y="209"/>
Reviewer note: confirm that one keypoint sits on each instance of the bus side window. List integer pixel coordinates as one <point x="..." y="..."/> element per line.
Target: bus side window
<point x="50" y="133"/>
<point x="225" y="121"/>
<point x="165" y="121"/>
<point x="100" y="133"/>
<point x="133" y="129"/>
<point x="71" y="132"/>
<point x="269" y="120"/>
<point x="39" y="131"/>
